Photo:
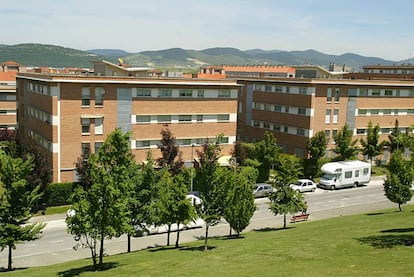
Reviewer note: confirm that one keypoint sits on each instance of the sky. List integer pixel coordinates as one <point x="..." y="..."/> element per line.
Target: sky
<point x="374" y="28"/>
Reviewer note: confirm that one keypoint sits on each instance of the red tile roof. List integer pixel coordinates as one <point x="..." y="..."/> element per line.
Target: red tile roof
<point x="8" y="76"/>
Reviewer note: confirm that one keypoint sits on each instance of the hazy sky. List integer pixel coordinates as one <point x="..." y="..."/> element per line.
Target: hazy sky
<point x="380" y="28"/>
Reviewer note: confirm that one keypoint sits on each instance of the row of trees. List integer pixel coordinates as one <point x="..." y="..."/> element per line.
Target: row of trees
<point x="115" y="195"/>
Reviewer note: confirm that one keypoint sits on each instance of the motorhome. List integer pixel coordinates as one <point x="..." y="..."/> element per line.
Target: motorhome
<point x="345" y="174"/>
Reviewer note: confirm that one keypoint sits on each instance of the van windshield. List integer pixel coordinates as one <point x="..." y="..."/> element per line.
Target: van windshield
<point x="328" y="176"/>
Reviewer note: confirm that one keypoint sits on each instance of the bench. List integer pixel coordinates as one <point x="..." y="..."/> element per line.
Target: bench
<point x="299" y="217"/>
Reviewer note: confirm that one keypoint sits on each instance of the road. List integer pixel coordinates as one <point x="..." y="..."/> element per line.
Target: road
<point x="57" y="246"/>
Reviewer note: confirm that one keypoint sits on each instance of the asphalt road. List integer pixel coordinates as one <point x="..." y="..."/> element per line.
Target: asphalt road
<point x="57" y="246"/>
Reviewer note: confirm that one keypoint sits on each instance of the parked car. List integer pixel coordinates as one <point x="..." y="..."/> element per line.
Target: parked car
<point x="304" y="185"/>
<point x="262" y="190"/>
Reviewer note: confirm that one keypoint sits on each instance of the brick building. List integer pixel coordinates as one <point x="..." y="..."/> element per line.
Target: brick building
<point x="68" y="114"/>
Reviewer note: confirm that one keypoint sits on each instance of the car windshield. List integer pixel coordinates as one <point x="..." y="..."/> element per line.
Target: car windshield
<point x="255" y="187"/>
<point x="298" y="183"/>
<point x="328" y="176"/>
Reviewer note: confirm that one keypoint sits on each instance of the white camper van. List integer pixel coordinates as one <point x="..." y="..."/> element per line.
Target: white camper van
<point x="345" y="174"/>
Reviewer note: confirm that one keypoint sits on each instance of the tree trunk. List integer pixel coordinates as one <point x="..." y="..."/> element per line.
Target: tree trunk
<point x="284" y="221"/>
<point x="101" y="251"/>
<point x="206" y="238"/>
<point x="399" y="206"/>
<point x="129" y="243"/>
<point x="230" y="232"/>
<point x="168" y="234"/>
<point x="9" y="262"/>
<point x="178" y="237"/>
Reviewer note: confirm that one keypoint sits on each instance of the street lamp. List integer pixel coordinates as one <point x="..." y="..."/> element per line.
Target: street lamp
<point x="192" y="165"/>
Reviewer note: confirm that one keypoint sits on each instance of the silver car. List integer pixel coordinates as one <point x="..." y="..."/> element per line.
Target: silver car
<point x="262" y="190"/>
<point x="304" y="185"/>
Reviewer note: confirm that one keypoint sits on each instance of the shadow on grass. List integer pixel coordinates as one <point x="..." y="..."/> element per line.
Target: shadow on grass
<point x="196" y="248"/>
<point x="3" y="269"/>
<point x="404" y="230"/>
<point x="88" y="268"/>
<point x="388" y="241"/>
<point x="267" y="229"/>
<point x="382" y="213"/>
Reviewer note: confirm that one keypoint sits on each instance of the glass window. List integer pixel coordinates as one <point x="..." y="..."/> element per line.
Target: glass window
<point x="335" y="116"/>
<point x="329" y="95"/>
<point x="362" y="111"/>
<point x="223" y="117"/>
<point x="376" y="92"/>
<point x="286" y="129"/>
<point x="143" y="119"/>
<point x="360" y="131"/>
<point x="267" y="107"/>
<point x="327" y="135"/>
<point x="334" y="134"/>
<point x="143" y="92"/>
<point x="277" y="108"/>
<point x="98" y="145"/>
<point x="279" y="89"/>
<point x="256" y="123"/>
<point x="86" y="149"/>
<point x="86" y="97"/>
<point x="387" y="111"/>
<point x="186" y="93"/>
<point x="300" y="132"/>
<point x="200" y="93"/>
<point x="199" y="118"/>
<point x="224" y="93"/>
<point x="99" y="96"/>
<point x="184" y="118"/>
<point x="186" y="142"/>
<point x="98" y="126"/>
<point x="162" y="92"/>
<point x="302" y="111"/>
<point x="164" y="119"/>
<point x="328" y="116"/>
<point x="268" y="88"/>
<point x="302" y="90"/>
<point x="348" y="174"/>
<point x="266" y="125"/>
<point x="374" y="111"/>
<point x="388" y="92"/>
<point x="276" y="127"/>
<point x="142" y="143"/>
<point x="286" y="109"/>
<point x="337" y="94"/>
<point x="85" y="126"/>
<point x="363" y="92"/>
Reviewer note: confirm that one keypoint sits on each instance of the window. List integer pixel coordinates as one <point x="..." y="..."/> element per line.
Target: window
<point x="277" y="108"/>
<point x="85" y="126"/>
<point x="162" y="92"/>
<point x="224" y="93"/>
<point x="387" y="111"/>
<point x="375" y="92"/>
<point x="334" y="134"/>
<point x="374" y="111"/>
<point x="266" y="125"/>
<point x="256" y="123"/>
<point x="286" y="129"/>
<point x="279" y="89"/>
<point x="276" y="127"/>
<point x="302" y="90"/>
<point x="98" y="126"/>
<point x="329" y="95"/>
<point x="365" y="171"/>
<point x="99" y="96"/>
<point x="268" y="88"/>
<point x="363" y="92"/>
<point x="362" y="111"/>
<point x="186" y="93"/>
<point x="328" y="116"/>
<point x="199" y="118"/>
<point x="186" y="142"/>
<point x="223" y="117"/>
<point x="348" y="174"/>
<point x="184" y="118"/>
<point x="200" y="93"/>
<point x="356" y="173"/>
<point x="86" y="149"/>
<point x="86" y="97"/>
<point x="286" y="109"/>
<point x="302" y="111"/>
<point x="143" y="119"/>
<point x="335" y="116"/>
<point x="360" y="131"/>
<point x="164" y="119"/>
<point x="327" y="135"/>
<point x="142" y="143"/>
<point x="411" y="93"/>
<point x="223" y="140"/>
<point x="267" y="107"/>
<point x="300" y="132"/>
<point x="143" y="92"/>
<point x="98" y="145"/>
<point x="287" y="89"/>
<point x="337" y="94"/>
<point x="388" y="92"/>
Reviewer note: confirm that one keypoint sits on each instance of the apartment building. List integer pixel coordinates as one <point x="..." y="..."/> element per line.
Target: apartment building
<point x="235" y="71"/>
<point x="7" y="100"/>
<point x="295" y="109"/>
<point x="400" y="72"/>
<point x="68" y="115"/>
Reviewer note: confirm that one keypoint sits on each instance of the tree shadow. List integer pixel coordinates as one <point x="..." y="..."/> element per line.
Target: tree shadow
<point x="404" y="230"/>
<point x="3" y="269"/>
<point x="267" y="229"/>
<point x="196" y="248"/>
<point x="388" y="241"/>
<point x="89" y="268"/>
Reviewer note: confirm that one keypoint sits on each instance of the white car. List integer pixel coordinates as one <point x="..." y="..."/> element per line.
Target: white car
<point x="304" y="185"/>
<point x="262" y="190"/>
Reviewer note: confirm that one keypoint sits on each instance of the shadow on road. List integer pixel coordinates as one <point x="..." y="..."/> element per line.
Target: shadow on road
<point x="90" y="268"/>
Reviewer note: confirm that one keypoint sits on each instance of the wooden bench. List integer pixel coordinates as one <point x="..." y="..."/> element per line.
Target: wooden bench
<point x="299" y="217"/>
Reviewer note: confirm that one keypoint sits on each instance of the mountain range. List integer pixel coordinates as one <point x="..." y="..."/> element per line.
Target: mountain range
<point x="31" y="54"/>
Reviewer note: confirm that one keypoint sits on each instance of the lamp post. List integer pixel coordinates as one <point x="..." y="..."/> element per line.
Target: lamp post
<point x="192" y="165"/>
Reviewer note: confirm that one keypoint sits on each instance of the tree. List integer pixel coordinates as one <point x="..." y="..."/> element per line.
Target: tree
<point x="286" y="200"/>
<point x="170" y="151"/>
<point x="397" y="187"/>
<point x="102" y="212"/>
<point x="371" y="147"/>
<point x="267" y="152"/>
<point x="16" y="202"/>
<point x="240" y="205"/>
<point x="208" y="183"/>
<point x="345" y="148"/>
<point x="395" y="138"/>
<point x="142" y="194"/>
<point x="316" y="148"/>
<point x="172" y="205"/>
<point x="239" y="152"/>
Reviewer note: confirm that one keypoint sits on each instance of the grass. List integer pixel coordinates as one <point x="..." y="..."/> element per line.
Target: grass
<point x="376" y="244"/>
<point x="379" y="170"/>
<point x="53" y="210"/>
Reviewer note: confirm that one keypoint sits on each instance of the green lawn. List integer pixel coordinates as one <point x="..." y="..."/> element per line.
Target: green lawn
<point x="376" y="244"/>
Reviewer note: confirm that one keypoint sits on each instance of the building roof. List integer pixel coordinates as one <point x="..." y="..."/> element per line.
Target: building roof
<point x="260" y="68"/>
<point x="9" y="76"/>
<point x="9" y="63"/>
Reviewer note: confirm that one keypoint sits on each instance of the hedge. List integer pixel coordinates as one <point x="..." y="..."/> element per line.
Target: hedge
<point x="57" y="194"/>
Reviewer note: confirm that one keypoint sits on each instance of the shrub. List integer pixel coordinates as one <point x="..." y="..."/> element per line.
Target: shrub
<point x="57" y="194"/>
